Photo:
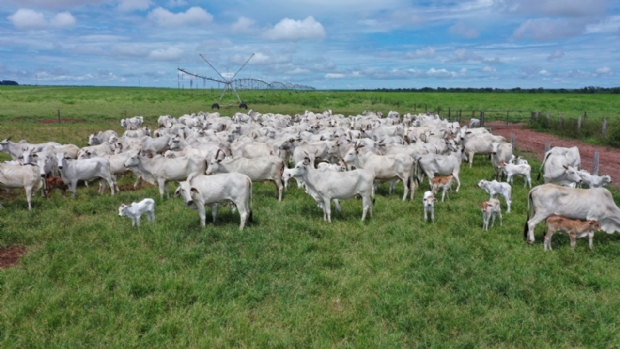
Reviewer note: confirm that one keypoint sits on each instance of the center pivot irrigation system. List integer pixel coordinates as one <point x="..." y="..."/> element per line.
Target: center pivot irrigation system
<point x="232" y="84"/>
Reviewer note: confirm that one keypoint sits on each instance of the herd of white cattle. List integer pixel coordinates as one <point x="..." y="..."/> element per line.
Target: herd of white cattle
<point x="334" y="157"/>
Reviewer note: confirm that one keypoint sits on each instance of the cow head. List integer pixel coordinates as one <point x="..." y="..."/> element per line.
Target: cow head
<point x="186" y="191"/>
<point x="122" y="210"/>
<point x="571" y="174"/>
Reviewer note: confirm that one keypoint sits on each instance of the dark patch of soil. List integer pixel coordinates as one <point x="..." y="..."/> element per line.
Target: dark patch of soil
<point x="55" y="121"/>
<point x="129" y="187"/>
<point x="9" y="256"/>
<point x="533" y="143"/>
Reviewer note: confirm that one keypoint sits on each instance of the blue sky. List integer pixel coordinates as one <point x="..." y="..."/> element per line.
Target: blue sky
<point x="342" y="44"/>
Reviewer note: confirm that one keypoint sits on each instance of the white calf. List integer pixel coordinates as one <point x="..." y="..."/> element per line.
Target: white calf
<point x="137" y="209"/>
<point x="429" y="205"/>
<point x="494" y="187"/>
<point x="522" y="170"/>
<point x="490" y="209"/>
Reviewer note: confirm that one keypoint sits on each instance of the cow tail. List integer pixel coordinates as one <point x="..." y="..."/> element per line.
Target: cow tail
<point x="525" y="228"/>
<point x="250" y="216"/>
<point x="541" y="165"/>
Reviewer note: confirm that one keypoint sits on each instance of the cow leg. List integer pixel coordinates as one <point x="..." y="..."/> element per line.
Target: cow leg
<point x="201" y="212"/>
<point x="161" y="182"/>
<point x="458" y="181"/>
<point x="531" y="225"/>
<point x="433" y="215"/>
<point x="327" y="209"/>
<point x="243" y="213"/>
<point x="406" y="185"/>
<point x="337" y="205"/>
<point x="573" y="241"/>
<point x="548" y="236"/>
<point x="138" y="221"/>
<point x="471" y="159"/>
<point x="366" y="205"/>
<point x="73" y="188"/>
<point x="590" y="236"/>
<point x="425" y="214"/>
<point x="279" y="188"/>
<point x="214" y="212"/>
<point x="29" y="197"/>
<point x="500" y="217"/>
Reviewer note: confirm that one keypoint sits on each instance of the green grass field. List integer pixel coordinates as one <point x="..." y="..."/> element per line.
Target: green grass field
<point x="289" y="280"/>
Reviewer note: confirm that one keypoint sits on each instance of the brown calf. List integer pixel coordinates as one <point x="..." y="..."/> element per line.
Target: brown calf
<point x="52" y="183"/>
<point x="443" y="182"/>
<point x="575" y="228"/>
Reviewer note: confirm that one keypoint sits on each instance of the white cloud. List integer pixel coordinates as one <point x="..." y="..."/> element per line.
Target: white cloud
<point x="567" y="8"/>
<point x="603" y="71"/>
<point x="243" y="25"/>
<point x="165" y="18"/>
<point x="55" y="4"/>
<point x="544" y="29"/>
<point x="489" y="70"/>
<point x="462" y="55"/>
<point x="295" y="30"/>
<point x="298" y="71"/>
<point x="427" y="53"/>
<point x="167" y="54"/>
<point x="555" y="55"/>
<point x="131" y="5"/>
<point x="544" y="73"/>
<point x="27" y="19"/>
<point x="334" y="76"/>
<point x="464" y="30"/>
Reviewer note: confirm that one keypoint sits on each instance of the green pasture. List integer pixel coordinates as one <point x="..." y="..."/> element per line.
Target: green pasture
<point x="110" y="103"/>
<point x="90" y="280"/>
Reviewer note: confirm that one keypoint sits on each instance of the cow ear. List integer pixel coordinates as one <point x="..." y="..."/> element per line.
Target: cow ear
<point x="35" y="155"/>
<point x="68" y="158"/>
<point x="194" y="190"/>
<point x="565" y="167"/>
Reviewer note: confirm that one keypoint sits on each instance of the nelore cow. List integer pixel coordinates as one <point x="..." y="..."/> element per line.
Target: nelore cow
<point x="585" y="204"/>
<point x="202" y="190"/>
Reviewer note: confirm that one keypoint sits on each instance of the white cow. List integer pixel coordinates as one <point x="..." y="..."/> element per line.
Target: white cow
<point x="480" y="144"/>
<point x="585" y="204"/>
<point x="202" y="190"/>
<point x="429" y="205"/>
<point x="570" y="157"/>
<point x="490" y="209"/>
<point x="17" y="176"/>
<point x="72" y="171"/>
<point x="502" y="152"/>
<point x="494" y="187"/>
<point x="384" y="167"/>
<point x="444" y="165"/>
<point x="559" y="171"/>
<point x="162" y="170"/>
<point x="137" y="209"/>
<point x="101" y="137"/>
<point x="16" y="149"/>
<point x="337" y="185"/>
<point x="523" y="170"/>
<point x="266" y="168"/>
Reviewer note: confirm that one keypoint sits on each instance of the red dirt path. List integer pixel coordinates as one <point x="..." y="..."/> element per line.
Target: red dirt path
<point x="532" y="143"/>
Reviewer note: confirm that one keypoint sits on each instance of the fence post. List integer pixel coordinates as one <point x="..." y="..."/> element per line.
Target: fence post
<point x="533" y="117"/>
<point x="481" y="118"/>
<point x="547" y="146"/>
<point x="579" y="123"/>
<point x="595" y="163"/>
<point x="59" y="116"/>
<point x="460" y="115"/>
<point x="507" y="116"/>
<point x="585" y="115"/>
<point x="449" y="114"/>
<point x="414" y="107"/>
<point x="438" y="110"/>
<point x="604" y="129"/>
<point x="513" y="137"/>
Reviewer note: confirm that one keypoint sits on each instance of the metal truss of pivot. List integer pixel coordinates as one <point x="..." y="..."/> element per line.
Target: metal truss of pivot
<point x="228" y="79"/>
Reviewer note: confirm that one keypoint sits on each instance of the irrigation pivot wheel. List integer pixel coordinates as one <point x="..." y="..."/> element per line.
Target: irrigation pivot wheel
<point x="215" y="106"/>
<point x="243" y="106"/>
